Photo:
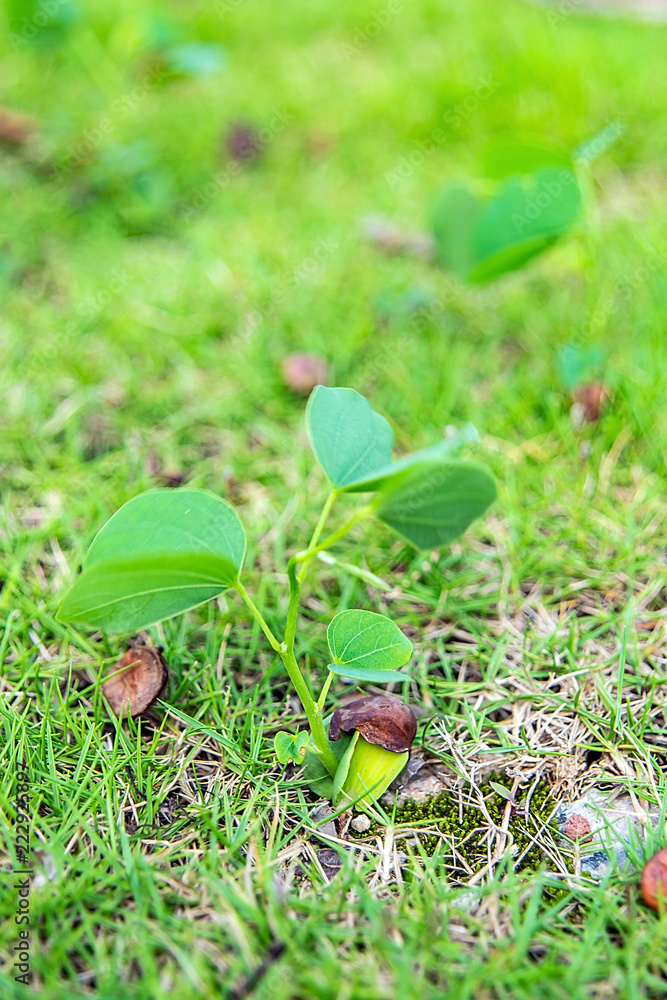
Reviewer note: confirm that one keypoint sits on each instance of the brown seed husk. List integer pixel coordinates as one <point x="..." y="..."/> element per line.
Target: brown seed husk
<point x="142" y="679"/>
<point x="654" y="879"/>
<point x="380" y="719"/>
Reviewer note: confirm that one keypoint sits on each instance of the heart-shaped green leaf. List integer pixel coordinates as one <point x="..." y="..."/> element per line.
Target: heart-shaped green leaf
<point x="162" y="553"/>
<point x="290" y="748"/>
<point x="437" y="502"/>
<point x="348" y="437"/>
<point x="367" y="647"/>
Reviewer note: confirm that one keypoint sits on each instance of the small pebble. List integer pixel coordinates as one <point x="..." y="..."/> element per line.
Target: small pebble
<point x="360" y="824"/>
<point x="330" y="862"/>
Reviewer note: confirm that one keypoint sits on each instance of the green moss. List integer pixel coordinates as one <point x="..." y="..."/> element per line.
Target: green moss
<point x="442" y="812"/>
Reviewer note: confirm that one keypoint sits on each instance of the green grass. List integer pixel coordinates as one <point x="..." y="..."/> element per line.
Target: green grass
<point x="146" y="309"/>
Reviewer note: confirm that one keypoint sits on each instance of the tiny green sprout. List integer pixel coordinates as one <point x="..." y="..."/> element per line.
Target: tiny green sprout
<point x="290" y="749"/>
<point x="371" y="771"/>
<point x="169" y="550"/>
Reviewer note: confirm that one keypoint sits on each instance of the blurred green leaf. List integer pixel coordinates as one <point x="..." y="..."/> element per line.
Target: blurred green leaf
<point x="455" y="216"/>
<point x="501" y="790"/>
<point x="34" y="22"/>
<point x="577" y="364"/>
<point x="196" y="59"/>
<point x="162" y="553"/>
<point x="525" y="217"/>
<point x="481" y="238"/>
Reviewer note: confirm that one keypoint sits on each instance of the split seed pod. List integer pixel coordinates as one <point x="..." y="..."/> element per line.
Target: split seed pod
<point x="384" y="730"/>
<point x="142" y="678"/>
<point x="654" y="880"/>
<point x="380" y="719"/>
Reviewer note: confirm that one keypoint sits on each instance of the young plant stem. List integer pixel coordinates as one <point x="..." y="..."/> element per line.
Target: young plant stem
<point x="310" y="706"/>
<point x="325" y="691"/>
<point x="296" y="578"/>
<point x="314" y="550"/>
<point x="313" y="709"/>
<point x="277" y="646"/>
<point x="319" y="527"/>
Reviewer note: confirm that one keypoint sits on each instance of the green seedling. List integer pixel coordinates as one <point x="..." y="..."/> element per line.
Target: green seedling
<point x="167" y="551"/>
<point x="530" y="198"/>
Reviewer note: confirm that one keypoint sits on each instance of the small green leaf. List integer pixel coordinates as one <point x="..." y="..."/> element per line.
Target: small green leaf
<point x="501" y="790"/>
<point x="369" y="771"/>
<point x="162" y="553"/>
<point x="437" y="502"/>
<point x="348" y="437"/>
<point x="366" y="646"/>
<point x="290" y="748"/>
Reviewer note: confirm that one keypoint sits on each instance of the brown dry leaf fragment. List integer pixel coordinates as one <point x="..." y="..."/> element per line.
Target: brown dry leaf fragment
<point x="380" y="719"/>
<point x="302" y="372"/>
<point x="654" y="879"/>
<point x="142" y="678"/>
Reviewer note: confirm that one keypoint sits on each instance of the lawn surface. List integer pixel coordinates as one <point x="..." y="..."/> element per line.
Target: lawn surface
<point x="151" y="287"/>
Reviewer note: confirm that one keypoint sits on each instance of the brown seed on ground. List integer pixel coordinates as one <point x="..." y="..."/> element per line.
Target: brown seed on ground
<point x="380" y="719"/>
<point x="654" y="879"/>
<point x="143" y="677"/>
<point x="577" y="827"/>
<point x="302" y="372"/>
<point x="591" y="399"/>
<point x="16" y="129"/>
<point x="243" y="142"/>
